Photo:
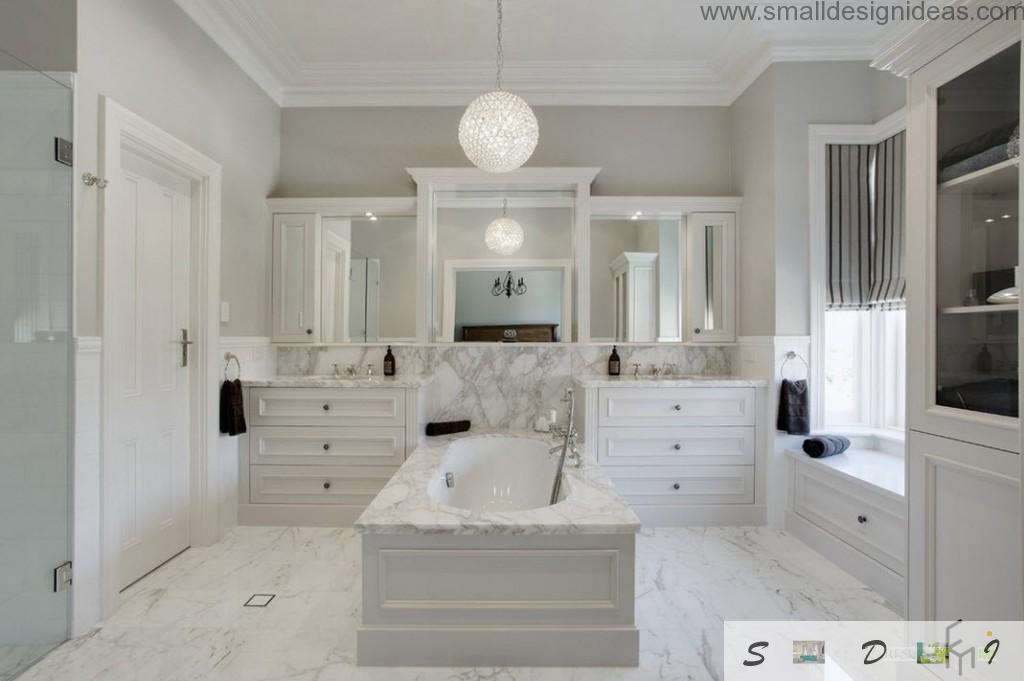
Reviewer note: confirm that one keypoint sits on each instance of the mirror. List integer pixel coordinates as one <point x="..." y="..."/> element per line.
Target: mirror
<point x="368" y="279"/>
<point x="635" y="279"/>
<point x="499" y="281"/>
<point x="710" y="277"/>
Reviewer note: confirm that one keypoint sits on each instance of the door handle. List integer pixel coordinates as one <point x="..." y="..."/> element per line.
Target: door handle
<point x="185" y="342"/>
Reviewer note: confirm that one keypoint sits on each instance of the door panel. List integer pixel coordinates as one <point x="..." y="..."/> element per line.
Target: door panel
<point x="295" y="299"/>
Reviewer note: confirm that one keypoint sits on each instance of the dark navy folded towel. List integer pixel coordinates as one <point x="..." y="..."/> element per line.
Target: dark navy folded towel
<point x="825" y="445"/>
<point x="447" y="428"/>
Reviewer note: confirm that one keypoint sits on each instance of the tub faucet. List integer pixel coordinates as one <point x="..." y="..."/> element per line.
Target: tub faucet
<point x="568" y="444"/>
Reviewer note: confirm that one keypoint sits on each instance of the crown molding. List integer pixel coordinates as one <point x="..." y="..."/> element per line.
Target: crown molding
<point x="261" y="51"/>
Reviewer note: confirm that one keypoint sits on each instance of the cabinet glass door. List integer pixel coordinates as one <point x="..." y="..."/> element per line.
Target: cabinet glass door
<point x="976" y="214"/>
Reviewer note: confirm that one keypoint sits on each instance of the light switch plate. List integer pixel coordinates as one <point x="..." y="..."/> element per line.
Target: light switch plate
<point x="225" y="312"/>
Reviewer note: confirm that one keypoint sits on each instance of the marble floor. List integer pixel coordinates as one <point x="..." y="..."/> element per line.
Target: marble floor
<point x="186" y="621"/>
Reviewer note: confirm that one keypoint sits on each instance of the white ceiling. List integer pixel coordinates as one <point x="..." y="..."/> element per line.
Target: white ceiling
<point x="441" y="52"/>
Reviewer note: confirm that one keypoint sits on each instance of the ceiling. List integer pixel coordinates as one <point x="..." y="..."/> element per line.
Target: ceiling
<point x="441" y="52"/>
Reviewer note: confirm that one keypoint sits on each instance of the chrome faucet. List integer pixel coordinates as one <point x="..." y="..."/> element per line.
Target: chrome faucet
<point x="636" y="369"/>
<point x="569" y="437"/>
<point x="655" y="370"/>
<point x="351" y="371"/>
<point x="369" y="371"/>
<point x="337" y="371"/>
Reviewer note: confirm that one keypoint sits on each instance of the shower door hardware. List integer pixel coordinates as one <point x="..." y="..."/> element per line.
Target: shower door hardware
<point x="185" y="342"/>
<point x="62" y="577"/>
<point x="63" y="151"/>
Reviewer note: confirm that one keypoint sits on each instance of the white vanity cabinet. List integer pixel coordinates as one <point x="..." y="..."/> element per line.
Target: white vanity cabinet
<point x="679" y="452"/>
<point x="319" y="455"/>
<point x="295" y="299"/>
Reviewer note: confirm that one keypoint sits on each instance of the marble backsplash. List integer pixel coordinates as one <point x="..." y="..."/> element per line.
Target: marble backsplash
<point x="502" y="386"/>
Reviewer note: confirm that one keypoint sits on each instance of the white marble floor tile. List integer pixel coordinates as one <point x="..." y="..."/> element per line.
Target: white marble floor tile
<point x="186" y="621"/>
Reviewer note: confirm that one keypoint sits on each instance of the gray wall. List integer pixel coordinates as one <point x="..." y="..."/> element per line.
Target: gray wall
<point x="151" y="58"/>
<point x="642" y="150"/>
<point x="40" y="33"/>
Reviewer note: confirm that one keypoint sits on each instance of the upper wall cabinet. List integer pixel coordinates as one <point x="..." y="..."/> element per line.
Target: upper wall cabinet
<point x="663" y="269"/>
<point x="295" y="294"/>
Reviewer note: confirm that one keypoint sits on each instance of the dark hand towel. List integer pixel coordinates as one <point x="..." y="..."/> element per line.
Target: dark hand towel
<point x="793" y="410"/>
<point x="825" y="445"/>
<point x="232" y="411"/>
<point x="447" y="428"/>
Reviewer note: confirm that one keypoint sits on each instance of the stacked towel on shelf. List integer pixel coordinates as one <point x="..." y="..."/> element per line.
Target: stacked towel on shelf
<point x="825" y="445"/>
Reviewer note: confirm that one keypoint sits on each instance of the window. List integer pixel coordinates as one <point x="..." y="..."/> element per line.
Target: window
<point x="865" y="369"/>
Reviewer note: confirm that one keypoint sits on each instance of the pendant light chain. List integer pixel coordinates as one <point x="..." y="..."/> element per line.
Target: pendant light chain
<point x="500" y="52"/>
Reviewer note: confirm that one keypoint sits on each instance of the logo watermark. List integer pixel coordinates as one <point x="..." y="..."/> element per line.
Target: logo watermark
<point x="880" y="13"/>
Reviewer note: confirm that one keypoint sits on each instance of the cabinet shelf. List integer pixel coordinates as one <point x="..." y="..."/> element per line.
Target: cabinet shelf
<point x="980" y="309"/>
<point x="998" y="178"/>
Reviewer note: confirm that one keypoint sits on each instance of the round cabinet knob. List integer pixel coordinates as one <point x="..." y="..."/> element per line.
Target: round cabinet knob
<point x="678" y="407"/>
<point x="327" y="447"/>
<point x="327" y="485"/>
<point x="675" y="485"/>
<point x="862" y="519"/>
<point x="327" y="407"/>
<point x="696" y="330"/>
<point x="677" y="446"/>
<point x="309" y="332"/>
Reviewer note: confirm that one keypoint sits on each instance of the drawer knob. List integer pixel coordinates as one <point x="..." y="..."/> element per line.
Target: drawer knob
<point x="327" y="407"/>
<point x="309" y="332"/>
<point x="862" y="519"/>
<point x="327" y="485"/>
<point x="327" y="447"/>
<point x="675" y="485"/>
<point x="677" y="446"/>
<point x="678" y="407"/>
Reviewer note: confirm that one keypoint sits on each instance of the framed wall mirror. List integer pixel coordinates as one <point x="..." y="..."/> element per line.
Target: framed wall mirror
<point x="503" y="267"/>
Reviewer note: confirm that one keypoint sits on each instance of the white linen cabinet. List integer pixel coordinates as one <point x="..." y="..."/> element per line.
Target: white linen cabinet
<point x="963" y="342"/>
<point x="295" y="297"/>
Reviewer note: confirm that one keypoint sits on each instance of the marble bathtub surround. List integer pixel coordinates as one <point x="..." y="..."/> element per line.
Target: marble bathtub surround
<point x="501" y="386"/>
<point x="591" y="506"/>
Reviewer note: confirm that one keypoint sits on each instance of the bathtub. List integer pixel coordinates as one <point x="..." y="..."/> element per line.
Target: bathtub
<point x="496" y="474"/>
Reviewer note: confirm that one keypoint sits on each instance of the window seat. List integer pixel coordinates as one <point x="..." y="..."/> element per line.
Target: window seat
<point x="884" y="472"/>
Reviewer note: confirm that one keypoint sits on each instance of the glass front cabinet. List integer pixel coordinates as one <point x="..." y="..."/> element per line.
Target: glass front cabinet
<point x="963" y="257"/>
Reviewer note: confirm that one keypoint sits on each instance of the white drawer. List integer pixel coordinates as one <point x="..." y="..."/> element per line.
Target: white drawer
<point x="686" y="485"/>
<point x="686" y="445"/>
<point x="870" y="522"/>
<point x="327" y="407"/>
<point x="305" y="446"/>
<point x="676" y="406"/>
<point x="323" y="485"/>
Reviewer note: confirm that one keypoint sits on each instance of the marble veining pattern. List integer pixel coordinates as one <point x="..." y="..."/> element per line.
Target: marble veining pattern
<point x="185" y="622"/>
<point x="502" y="386"/>
<point x="592" y="505"/>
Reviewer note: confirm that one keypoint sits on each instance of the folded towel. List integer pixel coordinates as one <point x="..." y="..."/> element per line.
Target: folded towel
<point x="232" y="409"/>
<point x="793" y="408"/>
<point x="825" y="445"/>
<point x="447" y="427"/>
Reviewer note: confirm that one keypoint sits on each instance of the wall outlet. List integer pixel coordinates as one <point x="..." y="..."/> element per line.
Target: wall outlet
<point x="225" y="312"/>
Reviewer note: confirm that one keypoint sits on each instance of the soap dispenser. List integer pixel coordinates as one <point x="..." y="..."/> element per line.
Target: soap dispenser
<point x="614" y="363"/>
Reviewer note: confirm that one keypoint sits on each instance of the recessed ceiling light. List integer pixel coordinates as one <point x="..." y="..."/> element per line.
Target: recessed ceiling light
<point x="990" y="219"/>
<point x="636" y="215"/>
<point x="1007" y="216"/>
<point x="373" y="218"/>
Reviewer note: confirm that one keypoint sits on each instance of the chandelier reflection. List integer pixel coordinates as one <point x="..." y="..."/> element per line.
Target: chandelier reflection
<point x="508" y="286"/>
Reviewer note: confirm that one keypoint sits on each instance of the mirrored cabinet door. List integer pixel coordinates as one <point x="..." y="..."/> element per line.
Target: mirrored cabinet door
<point x="295" y="297"/>
<point x="711" y="277"/>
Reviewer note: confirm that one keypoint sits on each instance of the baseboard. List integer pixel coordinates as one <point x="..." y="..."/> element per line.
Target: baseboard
<point x="284" y="515"/>
<point x="679" y="516"/>
<point x="497" y="647"/>
<point x="891" y="585"/>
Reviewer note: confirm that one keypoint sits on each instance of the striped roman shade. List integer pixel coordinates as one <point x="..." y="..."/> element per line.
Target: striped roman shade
<point x="865" y="226"/>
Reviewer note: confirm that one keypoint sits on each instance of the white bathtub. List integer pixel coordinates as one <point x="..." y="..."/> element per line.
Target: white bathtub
<point x="496" y="474"/>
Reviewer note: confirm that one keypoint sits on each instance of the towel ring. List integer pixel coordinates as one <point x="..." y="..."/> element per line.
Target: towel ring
<point x="230" y="357"/>
<point x="792" y="355"/>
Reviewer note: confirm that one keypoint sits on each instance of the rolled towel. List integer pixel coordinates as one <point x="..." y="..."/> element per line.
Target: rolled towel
<point x="447" y="427"/>
<point x="825" y="445"/>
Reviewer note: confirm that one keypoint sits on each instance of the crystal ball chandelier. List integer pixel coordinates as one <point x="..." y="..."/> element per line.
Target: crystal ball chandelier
<point x="504" y="236"/>
<point x="498" y="131"/>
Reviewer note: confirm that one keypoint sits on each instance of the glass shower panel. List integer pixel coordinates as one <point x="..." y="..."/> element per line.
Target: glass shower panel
<point x="35" y="363"/>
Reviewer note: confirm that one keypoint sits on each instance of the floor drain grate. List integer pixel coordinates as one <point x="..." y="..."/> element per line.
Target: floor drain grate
<point x="259" y="600"/>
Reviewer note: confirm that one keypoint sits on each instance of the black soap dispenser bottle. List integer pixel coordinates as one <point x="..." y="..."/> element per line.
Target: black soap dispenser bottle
<point x="614" y="363"/>
<point x="389" y="363"/>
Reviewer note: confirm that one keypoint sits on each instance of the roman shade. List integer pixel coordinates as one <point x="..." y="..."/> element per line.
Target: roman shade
<point x="866" y="240"/>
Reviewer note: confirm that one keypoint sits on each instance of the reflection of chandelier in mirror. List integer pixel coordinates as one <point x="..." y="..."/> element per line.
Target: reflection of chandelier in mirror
<point x="498" y="131"/>
<point x="506" y="287"/>
<point x="504" y="236"/>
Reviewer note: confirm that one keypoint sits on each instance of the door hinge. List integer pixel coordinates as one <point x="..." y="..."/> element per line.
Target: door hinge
<point x="62" y="577"/>
<point x="63" y="151"/>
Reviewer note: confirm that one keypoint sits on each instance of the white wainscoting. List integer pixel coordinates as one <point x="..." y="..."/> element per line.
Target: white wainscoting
<point x="85" y="596"/>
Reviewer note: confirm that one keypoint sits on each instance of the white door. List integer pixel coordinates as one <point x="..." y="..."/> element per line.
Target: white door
<point x="150" y="419"/>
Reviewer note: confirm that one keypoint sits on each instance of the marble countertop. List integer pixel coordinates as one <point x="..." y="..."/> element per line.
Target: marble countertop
<point x="411" y="381"/>
<point x="642" y="381"/>
<point x="592" y="506"/>
<point x="882" y="471"/>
